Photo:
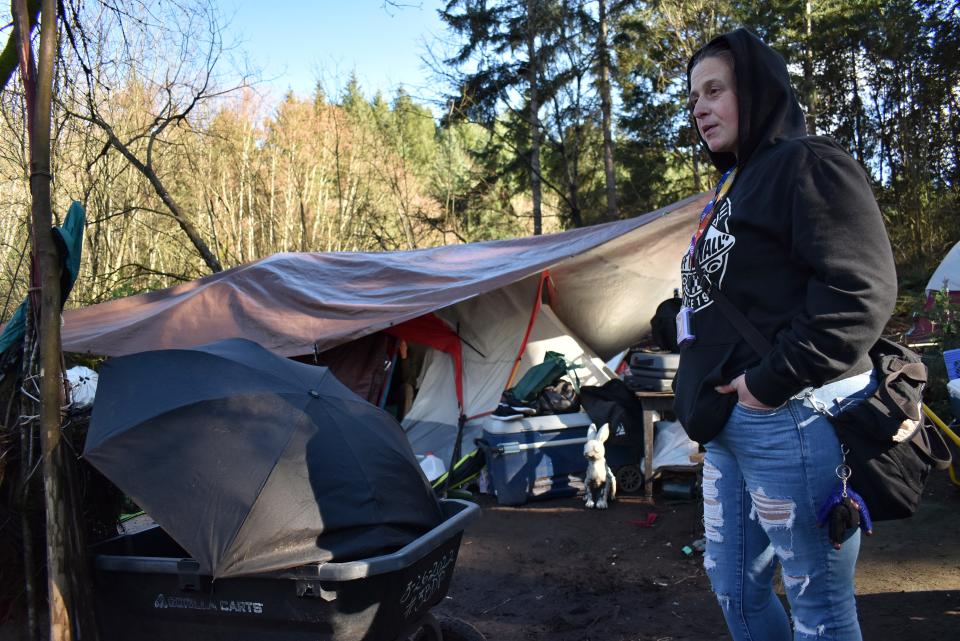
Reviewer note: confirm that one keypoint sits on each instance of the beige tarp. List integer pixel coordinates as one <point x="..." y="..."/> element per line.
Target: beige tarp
<point x="608" y="280"/>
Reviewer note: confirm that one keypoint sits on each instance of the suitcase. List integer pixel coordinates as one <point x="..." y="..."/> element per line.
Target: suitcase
<point x="639" y="383"/>
<point x="652" y="371"/>
<point x="654" y="364"/>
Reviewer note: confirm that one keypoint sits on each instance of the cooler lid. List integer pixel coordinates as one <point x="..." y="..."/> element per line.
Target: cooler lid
<point x="536" y="423"/>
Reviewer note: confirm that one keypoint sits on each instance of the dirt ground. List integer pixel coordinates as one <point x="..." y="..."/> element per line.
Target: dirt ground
<point x="554" y="571"/>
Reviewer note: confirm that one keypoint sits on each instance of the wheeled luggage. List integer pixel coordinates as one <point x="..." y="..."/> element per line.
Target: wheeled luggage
<point x="652" y="371"/>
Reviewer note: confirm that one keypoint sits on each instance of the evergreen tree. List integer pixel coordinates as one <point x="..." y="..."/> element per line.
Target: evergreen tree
<point x="504" y="48"/>
<point x="661" y="152"/>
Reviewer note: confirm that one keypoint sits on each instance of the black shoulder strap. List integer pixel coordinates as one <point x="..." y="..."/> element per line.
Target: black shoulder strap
<point x="747" y="329"/>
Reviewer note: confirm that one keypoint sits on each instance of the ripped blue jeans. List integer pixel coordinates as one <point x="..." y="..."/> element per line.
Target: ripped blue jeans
<point x="764" y="478"/>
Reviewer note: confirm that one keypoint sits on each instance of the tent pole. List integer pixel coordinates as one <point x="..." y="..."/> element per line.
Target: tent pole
<point x="461" y="422"/>
<point x="526" y="336"/>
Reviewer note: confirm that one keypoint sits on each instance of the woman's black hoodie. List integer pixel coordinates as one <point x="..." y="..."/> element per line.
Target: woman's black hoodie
<point x="798" y="245"/>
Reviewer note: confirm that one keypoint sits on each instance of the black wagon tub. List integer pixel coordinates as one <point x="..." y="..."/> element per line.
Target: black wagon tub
<point x="146" y="590"/>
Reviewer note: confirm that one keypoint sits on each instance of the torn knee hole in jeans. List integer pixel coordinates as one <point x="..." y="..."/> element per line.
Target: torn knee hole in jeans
<point x="772" y="512"/>
<point x="712" y="508"/>
<point x="791" y="582"/>
<point x="724" y="601"/>
<point x="803" y="630"/>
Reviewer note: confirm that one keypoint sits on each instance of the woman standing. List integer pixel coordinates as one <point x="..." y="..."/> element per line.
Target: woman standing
<point x="795" y="241"/>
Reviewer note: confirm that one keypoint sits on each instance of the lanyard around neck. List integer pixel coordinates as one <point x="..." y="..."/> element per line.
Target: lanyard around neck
<point x="726" y="181"/>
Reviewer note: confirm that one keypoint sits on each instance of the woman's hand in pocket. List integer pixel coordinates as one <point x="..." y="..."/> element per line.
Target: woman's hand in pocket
<point x="745" y="398"/>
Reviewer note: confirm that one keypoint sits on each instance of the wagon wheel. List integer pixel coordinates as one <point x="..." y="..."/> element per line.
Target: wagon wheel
<point x="427" y="629"/>
<point x="442" y="628"/>
<point x="459" y="630"/>
<point x="629" y="478"/>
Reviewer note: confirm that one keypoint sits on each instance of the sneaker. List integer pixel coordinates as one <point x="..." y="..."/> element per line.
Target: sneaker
<point x="504" y="413"/>
<point x="508" y="400"/>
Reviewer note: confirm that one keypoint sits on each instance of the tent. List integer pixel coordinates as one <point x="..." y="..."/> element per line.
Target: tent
<point x="486" y="311"/>
<point x="945" y="276"/>
<point x="508" y="331"/>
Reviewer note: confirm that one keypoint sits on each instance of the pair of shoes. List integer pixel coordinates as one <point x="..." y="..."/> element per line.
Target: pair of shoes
<point x="511" y="407"/>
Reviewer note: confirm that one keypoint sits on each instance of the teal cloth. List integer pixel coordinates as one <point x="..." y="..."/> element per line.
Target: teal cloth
<point x="539" y="376"/>
<point x="69" y="239"/>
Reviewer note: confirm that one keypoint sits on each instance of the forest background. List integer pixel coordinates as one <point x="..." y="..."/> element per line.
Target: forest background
<point x="556" y="114"/>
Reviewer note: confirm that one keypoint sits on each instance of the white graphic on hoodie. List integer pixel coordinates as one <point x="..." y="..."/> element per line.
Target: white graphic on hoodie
<point x="713" y="251"/>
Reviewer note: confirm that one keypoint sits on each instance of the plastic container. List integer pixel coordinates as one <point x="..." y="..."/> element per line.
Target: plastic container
<point x="953" y="388"/>
<point x="951" y="358"/>
<point x="432" y="466"/>
<point x="542" y="456"/>
<point x="145" y="589"/>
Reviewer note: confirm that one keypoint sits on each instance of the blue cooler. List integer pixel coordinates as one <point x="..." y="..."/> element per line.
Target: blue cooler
<point x="951" y="358"/>
<point x="542" y="456"/>
<point x="953" y="387"/>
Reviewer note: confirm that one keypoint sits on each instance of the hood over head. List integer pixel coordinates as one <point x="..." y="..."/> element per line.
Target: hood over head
<point x="768" y="107"/>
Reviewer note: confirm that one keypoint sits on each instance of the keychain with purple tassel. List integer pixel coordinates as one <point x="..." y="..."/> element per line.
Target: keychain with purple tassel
<point x="844" y="508"/>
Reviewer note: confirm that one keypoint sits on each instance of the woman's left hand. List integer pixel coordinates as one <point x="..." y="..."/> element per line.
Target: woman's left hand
<point x="739" y="385"/>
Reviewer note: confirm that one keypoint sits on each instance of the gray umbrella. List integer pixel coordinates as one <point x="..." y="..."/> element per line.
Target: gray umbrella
<point x="253" y="462"/>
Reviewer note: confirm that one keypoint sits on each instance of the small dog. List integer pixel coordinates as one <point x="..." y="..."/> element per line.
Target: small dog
<point x="601" y="484"/>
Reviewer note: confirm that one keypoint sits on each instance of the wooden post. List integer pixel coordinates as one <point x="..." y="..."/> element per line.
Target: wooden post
<point x="38" y="87"/>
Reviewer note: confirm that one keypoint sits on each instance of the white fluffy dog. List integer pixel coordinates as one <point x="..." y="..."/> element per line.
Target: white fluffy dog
<point x="601" y="484"/>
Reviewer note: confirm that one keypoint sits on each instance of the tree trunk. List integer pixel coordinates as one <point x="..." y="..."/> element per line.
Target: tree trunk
<point x="303" y="226"/>
<point x="38" y="87"/>
<point x="954" y="121"/>
<point x="809" y="85"/>
<point x="603" y="56"/>
<point x="532" y="72"/>
<point x="570" y="152"/>
<point x="858" y="109"/>
<point x="576" y="216"/>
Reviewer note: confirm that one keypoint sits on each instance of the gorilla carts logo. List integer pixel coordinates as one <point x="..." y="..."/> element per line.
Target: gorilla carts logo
<point x="713" y="250"/>
<point x="164" y="602"/>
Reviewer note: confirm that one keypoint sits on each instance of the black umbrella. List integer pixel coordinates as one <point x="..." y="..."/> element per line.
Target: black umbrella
<point x="253" y="462"/>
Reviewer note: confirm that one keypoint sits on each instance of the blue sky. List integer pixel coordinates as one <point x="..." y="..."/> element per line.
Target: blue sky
<point x="295" y="43"/>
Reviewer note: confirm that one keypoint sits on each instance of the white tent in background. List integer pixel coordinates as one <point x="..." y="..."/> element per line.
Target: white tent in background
<point x="946" y="275"/>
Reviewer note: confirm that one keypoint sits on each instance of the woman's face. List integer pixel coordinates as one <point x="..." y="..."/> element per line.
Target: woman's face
<point x="713" y="100"/>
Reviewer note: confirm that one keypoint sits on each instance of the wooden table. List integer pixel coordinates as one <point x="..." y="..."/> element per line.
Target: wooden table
<point x="654" y="404"/>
